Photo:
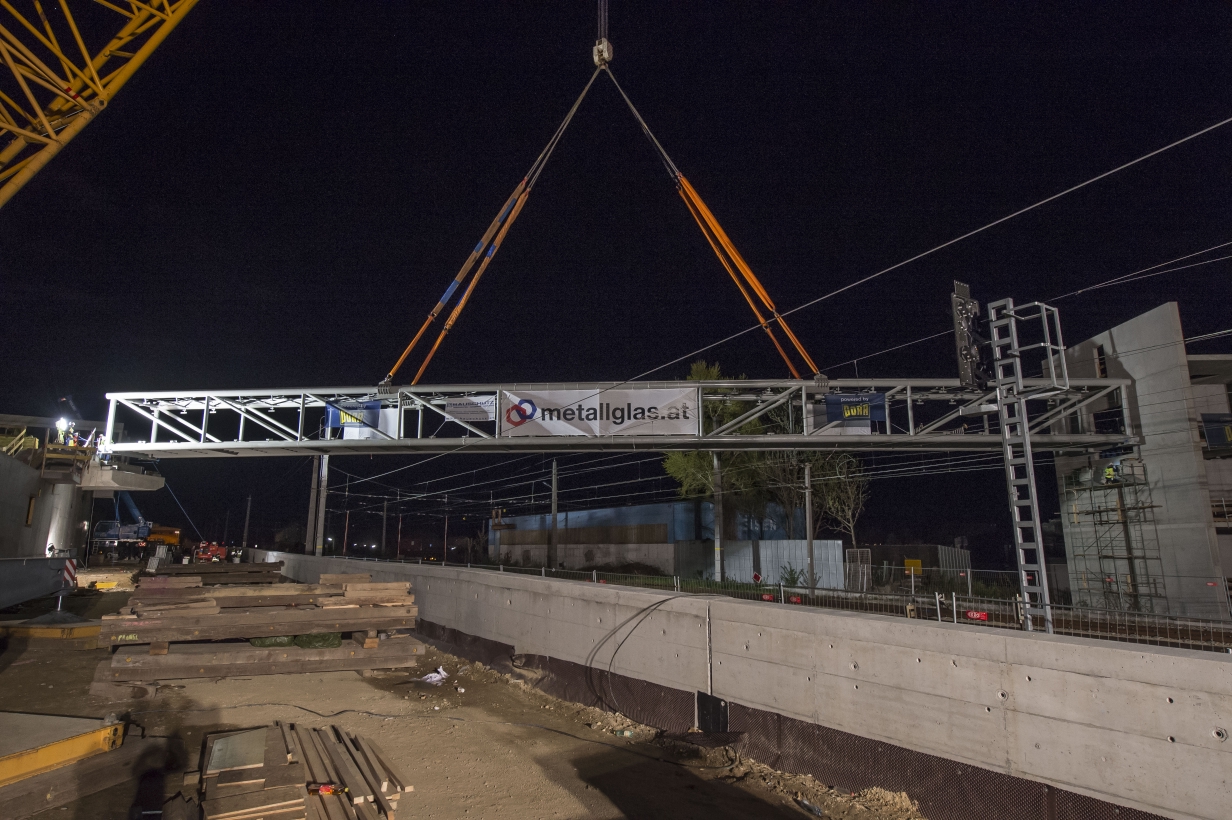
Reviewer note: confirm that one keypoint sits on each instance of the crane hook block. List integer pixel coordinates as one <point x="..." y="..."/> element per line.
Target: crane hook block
<point x="602" y="52"/>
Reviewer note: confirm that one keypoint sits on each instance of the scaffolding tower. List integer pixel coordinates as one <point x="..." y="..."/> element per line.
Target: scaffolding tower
<point x="1109" y="525"/>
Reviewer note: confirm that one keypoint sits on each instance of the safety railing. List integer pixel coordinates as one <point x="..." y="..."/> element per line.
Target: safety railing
<point x="1088" y="622"/>
<point x="949" y="606"/>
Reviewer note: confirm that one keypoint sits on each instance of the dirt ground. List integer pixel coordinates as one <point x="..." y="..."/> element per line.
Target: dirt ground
<point x="483" y="744"/>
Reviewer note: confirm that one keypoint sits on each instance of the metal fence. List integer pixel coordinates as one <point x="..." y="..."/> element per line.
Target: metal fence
<point x="928" y="601"/>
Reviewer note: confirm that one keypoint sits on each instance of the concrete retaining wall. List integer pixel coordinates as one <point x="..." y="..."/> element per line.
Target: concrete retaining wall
<point x="1133" y="725"/>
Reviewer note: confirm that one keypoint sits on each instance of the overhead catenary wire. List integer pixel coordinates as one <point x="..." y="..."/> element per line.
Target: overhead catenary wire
<point x="1122" y="279"/>
<point x="937" y="248"/>
<point x="898" y="466"/>
<point x="1143" y="273"/>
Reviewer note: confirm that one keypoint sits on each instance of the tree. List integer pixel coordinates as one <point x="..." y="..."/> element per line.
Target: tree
<point x="694" y="469"/>
<point x="781" y="474"/>
<point x="750" y="479"/>
<point x="844" y="490"/>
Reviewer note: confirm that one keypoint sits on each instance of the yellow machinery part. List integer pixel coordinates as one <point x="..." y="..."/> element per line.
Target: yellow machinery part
<point x="28" y="762"/>
<point x="51" y="631"/>
<point x="52" y="83"/>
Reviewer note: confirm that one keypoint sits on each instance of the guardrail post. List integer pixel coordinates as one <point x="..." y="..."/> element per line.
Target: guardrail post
<point x="937" y="597"/>
<point x="954" y="604"/>
<point x="676" y="582"/>
<point x="543" y="572"/>
<point x="502" y="567"/>
<point x="594" y="575"/>
<point x="782" y="596"/>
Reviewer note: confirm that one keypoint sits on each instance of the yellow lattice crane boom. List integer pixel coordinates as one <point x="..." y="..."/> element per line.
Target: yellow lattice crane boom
<point x="52" y="82"/>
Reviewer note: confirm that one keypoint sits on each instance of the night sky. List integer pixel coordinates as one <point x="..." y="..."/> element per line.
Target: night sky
<point x="284" y="189"/>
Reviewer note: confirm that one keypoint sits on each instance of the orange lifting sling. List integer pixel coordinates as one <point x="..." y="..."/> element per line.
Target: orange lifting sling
<point x="488" y="245"/>
<point x="746" y="281"/>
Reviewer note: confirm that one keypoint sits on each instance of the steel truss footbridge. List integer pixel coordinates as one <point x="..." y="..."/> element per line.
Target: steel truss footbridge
<point x="917" y="415"/>
<point x="1013" y="414"/>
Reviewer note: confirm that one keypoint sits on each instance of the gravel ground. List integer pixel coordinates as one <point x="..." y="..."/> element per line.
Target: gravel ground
<point x="483" y="744"/>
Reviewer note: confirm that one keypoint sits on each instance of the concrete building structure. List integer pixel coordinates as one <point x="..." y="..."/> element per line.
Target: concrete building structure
<point x="675" y="537"/>
<point x="1140" y="522"/>
<point x="46" y="500"/>
<point x="667" y="536"/>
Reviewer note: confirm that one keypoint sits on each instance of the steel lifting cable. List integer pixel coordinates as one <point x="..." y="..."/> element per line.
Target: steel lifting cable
<point x="487" y="246"/>
<point x="723" y="247"/>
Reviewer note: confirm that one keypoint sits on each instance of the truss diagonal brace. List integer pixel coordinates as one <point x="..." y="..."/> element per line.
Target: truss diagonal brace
<point x="156" y="420"/>
<point x="757" y="411"/>
<point x="273" y="426"/>
<point x="422" y="402"/>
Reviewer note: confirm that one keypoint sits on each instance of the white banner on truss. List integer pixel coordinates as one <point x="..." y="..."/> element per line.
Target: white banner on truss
<point x="653" y="412"/>
<point x="387" y="424"/>
<point x="472" y="408"/>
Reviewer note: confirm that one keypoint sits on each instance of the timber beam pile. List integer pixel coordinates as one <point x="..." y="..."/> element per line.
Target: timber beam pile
<point x="213" y="574"/>
<point x="168" y="626"/>
<point x="135" y="664"/>
<point x="254" y="629"/>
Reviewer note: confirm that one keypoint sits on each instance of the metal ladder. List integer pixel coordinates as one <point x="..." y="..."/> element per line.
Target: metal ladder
<point x="1012" y="398"/>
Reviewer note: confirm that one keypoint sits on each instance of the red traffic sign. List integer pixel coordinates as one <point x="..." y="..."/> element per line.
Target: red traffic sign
<point x="973" y="615"/>
<point x="766" y="596"/>
<point x="757" y="577"/>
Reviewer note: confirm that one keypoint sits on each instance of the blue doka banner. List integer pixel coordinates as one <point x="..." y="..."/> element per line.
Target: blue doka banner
<point x="855" y="407"/>
<point x="359" y="414"/>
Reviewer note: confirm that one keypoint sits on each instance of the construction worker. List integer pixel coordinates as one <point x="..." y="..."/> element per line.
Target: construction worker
<point x="1109" y="474"/>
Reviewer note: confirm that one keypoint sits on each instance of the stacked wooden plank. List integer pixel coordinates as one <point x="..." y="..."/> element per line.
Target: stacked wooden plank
<point x="221" y="660"/>
<point x="251" y="774"/>
<point x="211" y="574"/>
<point x="253" y="622"/>
<point x="160" y="629"/>
<point x="161" y="615"/>
<point x="291" y="772"/>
